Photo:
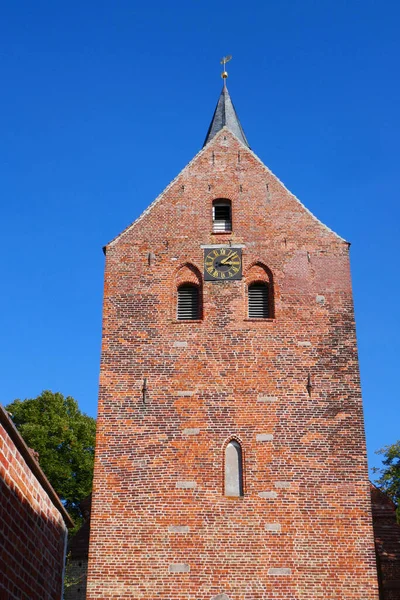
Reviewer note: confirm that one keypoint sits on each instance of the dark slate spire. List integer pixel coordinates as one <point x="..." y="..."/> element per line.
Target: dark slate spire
<point x="225" y="115"/>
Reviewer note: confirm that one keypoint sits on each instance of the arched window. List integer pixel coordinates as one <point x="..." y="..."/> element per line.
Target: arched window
<point x="188" y="302"/>
<point x="259" y="300"/>
<point x="222" y="215"/>
<point x="233" y="469"/>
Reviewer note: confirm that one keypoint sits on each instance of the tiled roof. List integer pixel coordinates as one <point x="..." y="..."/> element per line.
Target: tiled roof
<point x="78" y="546"/>
<point x="386" y="529"/>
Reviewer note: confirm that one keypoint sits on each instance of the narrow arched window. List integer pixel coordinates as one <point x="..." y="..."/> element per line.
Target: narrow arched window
<point x="259" y="301"/>
<point x="233" y="469"/>
<point x="188" y="302"/>
<point x="222" y="215"/>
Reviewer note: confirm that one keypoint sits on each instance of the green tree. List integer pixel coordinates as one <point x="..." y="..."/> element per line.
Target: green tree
<point x="64" y="437"/>
<point x="389" y="475"/>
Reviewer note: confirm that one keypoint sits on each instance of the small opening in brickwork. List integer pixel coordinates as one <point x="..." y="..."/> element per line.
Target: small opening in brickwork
<point x="259" y="301"/>
<point x="222" y="215"/>
<point x="233" y="469"/>
<point x="188" y="302"/>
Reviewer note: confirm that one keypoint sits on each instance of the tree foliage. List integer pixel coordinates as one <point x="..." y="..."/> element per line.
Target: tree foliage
<point x="389" y="475"/>
<point x="64" y="437"/>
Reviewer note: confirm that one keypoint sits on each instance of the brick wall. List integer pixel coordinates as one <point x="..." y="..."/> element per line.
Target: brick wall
<point x="33" y="524"/>
<point x="387" y="544"/>
<point x="161" y="526"/>
<point x="77" y="557"/>
<point x="75" y="579"/>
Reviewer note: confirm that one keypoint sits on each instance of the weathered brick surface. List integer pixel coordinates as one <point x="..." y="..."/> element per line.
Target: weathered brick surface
<point x="77" y="557"/>
<point x="387" y="544"/>
<point x="76" y="578"/>
<point x="248" y="378"/>
<point x="32" y="531"/>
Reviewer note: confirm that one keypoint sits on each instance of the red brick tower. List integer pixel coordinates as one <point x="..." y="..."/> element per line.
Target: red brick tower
<point x="230" y="457"/>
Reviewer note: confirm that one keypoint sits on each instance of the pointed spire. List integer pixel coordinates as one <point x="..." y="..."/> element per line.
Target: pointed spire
<point x="225" y="115"/>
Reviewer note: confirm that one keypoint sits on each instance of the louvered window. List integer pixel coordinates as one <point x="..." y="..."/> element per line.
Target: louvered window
<point x="222" y="216"/>
<point x="188" y="302"/>
<point x="259" y="301"/>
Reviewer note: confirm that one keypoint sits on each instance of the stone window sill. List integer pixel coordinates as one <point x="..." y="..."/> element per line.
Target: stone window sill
<point x="188" y="321"/>
<point x="268" y="320"/>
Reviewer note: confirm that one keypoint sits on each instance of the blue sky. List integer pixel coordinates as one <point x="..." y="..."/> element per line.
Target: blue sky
<point x="103" y="103"/>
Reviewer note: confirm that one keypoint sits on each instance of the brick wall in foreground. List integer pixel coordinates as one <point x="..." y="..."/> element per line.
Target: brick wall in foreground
<point x="33" y="524"/>
<point x="161" y="526"/>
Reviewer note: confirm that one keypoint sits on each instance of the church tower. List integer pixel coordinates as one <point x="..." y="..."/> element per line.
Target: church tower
<point x="230" y="457"/>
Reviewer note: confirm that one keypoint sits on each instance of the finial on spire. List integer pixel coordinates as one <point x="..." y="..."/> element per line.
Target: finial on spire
<point x="225" y="114"/>
<point x="223" y="61"/>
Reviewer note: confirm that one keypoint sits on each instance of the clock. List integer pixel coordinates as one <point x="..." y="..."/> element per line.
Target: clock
<point x="222" y="264"/>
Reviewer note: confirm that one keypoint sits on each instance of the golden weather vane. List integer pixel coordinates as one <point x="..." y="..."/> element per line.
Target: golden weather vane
<point x="223" y="61"/>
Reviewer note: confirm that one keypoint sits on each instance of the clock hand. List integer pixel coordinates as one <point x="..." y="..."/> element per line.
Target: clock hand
<point x="229" y="257"/>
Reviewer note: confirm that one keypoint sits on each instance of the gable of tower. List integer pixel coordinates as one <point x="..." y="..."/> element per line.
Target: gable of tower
<point x="227" y="168"/>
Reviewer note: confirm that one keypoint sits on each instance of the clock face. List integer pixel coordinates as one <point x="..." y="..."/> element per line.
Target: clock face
<point x="222" y="264"/>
